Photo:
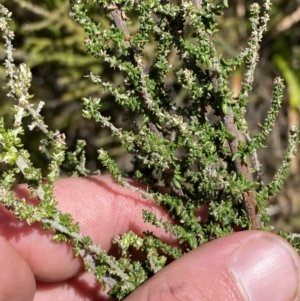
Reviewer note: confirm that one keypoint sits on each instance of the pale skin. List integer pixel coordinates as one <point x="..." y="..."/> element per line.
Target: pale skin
<point x="249" y="265"/>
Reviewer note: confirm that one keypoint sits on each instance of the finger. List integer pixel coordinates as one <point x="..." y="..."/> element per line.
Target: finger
<point x="244" y="266"/>
<point x="48" y="260"/>
<point x="82" y="287"/>
<point x="103" y="209"/>
<point x="16" y="279"/>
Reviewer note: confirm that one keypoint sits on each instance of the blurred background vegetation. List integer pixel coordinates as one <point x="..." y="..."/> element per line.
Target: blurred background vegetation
<point x="51" y="44"/>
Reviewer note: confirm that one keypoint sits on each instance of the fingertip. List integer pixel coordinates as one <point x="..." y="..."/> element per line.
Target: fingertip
<point x="266" y="267"/>
<point x="244" y="266"/>
<point x="47" y="259"/>
<point x="16" y="278"/>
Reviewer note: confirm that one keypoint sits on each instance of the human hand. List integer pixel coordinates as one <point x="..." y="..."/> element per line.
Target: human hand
<point x="249" y="265"/>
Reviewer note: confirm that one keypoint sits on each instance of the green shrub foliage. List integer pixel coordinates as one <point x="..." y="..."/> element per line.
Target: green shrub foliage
<point x="190" y="151"/>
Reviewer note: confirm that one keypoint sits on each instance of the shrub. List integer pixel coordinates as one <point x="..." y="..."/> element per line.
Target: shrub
<point x="190" y="152"/>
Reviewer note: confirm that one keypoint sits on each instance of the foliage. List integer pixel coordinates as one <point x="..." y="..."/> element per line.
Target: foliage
<point x="50" y="43"/>
<point x="200" y="149"/>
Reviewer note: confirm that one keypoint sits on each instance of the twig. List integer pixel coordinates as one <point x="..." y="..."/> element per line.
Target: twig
<point x="119" y="19"/>
<point x="240" y="167"/>
<point x="289" y="21"/>
<point x="198" y="4"/>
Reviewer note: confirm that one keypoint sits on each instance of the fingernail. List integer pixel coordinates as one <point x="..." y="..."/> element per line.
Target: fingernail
<point x="265" y="269"/>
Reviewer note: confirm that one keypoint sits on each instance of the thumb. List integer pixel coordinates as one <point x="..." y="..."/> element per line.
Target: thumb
<point x="244" y="266"/>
